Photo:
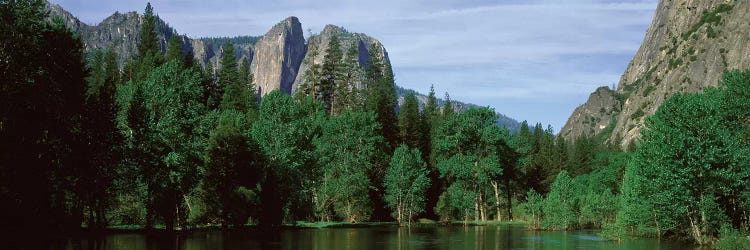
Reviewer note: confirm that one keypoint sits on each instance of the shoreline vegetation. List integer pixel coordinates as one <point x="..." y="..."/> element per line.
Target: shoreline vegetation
<point x="160" y="229"/>
<point x="162" y="143"/>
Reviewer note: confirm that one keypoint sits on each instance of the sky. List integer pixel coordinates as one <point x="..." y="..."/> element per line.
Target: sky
<point x="534" y="60"/>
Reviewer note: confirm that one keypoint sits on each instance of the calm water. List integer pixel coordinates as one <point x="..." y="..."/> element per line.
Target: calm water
<point x="382" y="237"/>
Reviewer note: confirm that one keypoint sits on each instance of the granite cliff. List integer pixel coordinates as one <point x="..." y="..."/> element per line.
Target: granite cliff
<point x="318" y="44"/>
<point x="687" y="47"/>
<point x="278" y="56"/>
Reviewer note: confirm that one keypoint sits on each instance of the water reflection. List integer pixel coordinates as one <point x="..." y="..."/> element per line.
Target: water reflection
<point x="382" y="237"/>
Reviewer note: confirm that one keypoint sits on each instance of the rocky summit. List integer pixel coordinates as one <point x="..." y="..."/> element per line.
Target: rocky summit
<point x="278" y="56"/>
<point x="687" y="47"/>
<point x="318" y="44"/>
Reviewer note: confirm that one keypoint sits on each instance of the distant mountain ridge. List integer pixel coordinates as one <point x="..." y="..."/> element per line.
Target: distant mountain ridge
<point x="278" y="58"/>
<point x="502" y="120"/>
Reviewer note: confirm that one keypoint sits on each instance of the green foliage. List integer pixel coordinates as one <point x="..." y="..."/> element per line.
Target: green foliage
<point x="648" y="90"/>
<point x="695" y="162"/>
<point x="709" y="18"/>
<point x="466" y="153"/>
<point x="331" y="74"/>
<point x="174" y="49"/>
<point x="312" y="75"/>
<point x="406" y="183"/>
<point x="347" y="90"/>
<point x="164" y="134"/>
<point x="101" y="133"/>
<point x="597" y="205"/>
<point x="284" y="132"/>
<point x="217" y="42"/>
<point x="233" y="163"/>
<point x="534" y="207"/>
<point x="229" y="77"/>
<point x="149" y="43"/>
<point x="732" y="239"/>
<point x="346" y="150"/>
<point x="42" y="108"/>
<point x="560" y="204"/>
<point x="409" y="121"/>
<point x="637" y="114"/>
<point x="381" y="97"/>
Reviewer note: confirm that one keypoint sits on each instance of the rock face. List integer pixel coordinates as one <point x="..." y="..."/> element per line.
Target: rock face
<point x="278" y="56"/>
<point x="595" y="115"/>
<point x="687" y="48"/>
<point x="319" y="43"/>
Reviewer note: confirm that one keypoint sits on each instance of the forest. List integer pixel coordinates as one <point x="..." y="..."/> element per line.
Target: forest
<point x="164" y="143"/>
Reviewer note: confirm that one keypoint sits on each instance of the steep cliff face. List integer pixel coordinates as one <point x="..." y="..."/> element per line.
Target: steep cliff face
<point x="319" y="43"/>
<point x="595" y="115"/>
<point x="687" y="48"/>
<point x="278" y="55"/>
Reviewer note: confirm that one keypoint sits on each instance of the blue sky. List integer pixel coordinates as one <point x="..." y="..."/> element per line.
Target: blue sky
<point x="534" y="60"/>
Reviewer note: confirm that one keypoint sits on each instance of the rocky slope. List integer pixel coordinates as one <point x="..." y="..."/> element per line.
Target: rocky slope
<point x="120" y="31"/>
<point x="599" y="112"/>
<point x="319" y="44"/>
<point x="687" y="47"/>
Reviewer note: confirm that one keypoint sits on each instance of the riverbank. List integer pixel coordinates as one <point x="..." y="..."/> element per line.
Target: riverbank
<point x="305" y="224"/>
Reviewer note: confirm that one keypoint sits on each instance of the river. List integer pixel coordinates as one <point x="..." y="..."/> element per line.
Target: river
<point x="375" y="237"/>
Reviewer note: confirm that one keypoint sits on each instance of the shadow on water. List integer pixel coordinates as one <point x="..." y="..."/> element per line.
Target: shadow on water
<point x="374" y="237"/>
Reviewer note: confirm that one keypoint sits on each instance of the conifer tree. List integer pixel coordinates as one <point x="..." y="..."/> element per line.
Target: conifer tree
<point x="312" y="75"/>
<point x="448" y="109"/>
<point x="330" y="74"/>
<point x="209" y="86"/>
<point x="228" y="73"/>
<point x="247" y="82"/>
<point x="149" y="42"/>
<point x="409" y="121"/>
<point x="348" y="92"/>
<point x="174" y="49"/>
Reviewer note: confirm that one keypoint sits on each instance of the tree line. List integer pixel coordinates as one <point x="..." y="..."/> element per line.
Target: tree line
<point x="163" y="141"/>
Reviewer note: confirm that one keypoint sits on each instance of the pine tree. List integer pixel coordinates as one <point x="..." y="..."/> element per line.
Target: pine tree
<point x="312" y="75"/>
<point x="149" y="55"/>
<point x="448" y="109"/>
<point x="149" y="42"/>
<point x="330" y="75"/>
<point x="430" y="110"/>
<point x="409" y="121"/>
<point x="174" y="49"/>
<point x="239" y="90"/>
<point x="348" y="93"/>
<point x="210" y="90"/>
<point x="430" y="117"/>
<point x="101" y="133"/>
<point x="374" y="67"/>
<point x="247" y="82"/>
<point x="228" y="73"/>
